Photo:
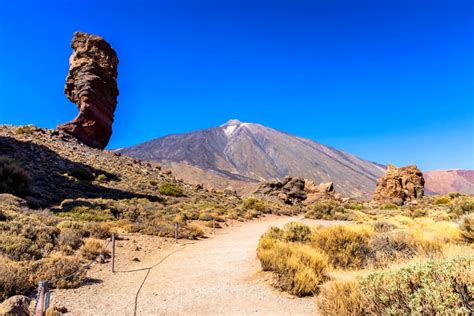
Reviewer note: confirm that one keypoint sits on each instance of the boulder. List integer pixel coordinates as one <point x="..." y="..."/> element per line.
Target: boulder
<point x="327" y="187"/>
<point x="92" y="85"/>
<point x="400" y="185"/>
<point x="17" y="305"/>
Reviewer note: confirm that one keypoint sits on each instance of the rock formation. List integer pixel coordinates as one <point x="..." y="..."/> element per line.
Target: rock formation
<point x="16" y="305"/>
<point x="290" y="190"/>
<point x="92" y="85"/>
<point x="399" y="185"/>
<point x="293" y="190"/>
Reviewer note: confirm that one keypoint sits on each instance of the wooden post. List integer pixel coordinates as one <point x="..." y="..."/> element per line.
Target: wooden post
<point x="40" y="304"/>
<point x="113" y="253"/>
<point x="176" y="232"/>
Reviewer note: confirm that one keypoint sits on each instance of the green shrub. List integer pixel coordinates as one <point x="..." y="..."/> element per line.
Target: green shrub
<point x="25" y="130"/>
<point x="356" y="206"/>
<point x="86" y="213"/>
<point x="102" y="178"/>
<point x="329" y="210"/>
<point x="441" y="200"/>
<point x="442" y="287"/>
<point x="82" y="174"/>
<point x="463" y="206"/>
<point x="389" y="206"/>
<point x="296" y="232"/>
<point x="205" y="217"/>
<point x="253" y="204"/>
<point x="13" y="178"/>
<point x="171" y="189"/>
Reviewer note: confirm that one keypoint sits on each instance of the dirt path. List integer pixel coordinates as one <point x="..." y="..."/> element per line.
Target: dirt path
<point x="217" y="276"/>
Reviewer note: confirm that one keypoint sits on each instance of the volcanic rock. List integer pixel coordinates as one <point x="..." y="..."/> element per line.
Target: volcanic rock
<point x="290" y="190"/>
<point x="92" y="85"/>
<point x="400" y="185"/>
<point x="15" y="305"/>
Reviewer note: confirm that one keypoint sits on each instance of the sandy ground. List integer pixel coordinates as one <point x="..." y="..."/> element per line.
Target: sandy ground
<point x="216" y="276"/>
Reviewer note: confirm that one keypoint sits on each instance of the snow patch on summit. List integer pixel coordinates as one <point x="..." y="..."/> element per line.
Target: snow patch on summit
<point x="228" y="130"/>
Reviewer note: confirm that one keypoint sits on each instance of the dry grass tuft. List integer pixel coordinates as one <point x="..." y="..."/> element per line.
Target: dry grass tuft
<point x="347" y="247"/>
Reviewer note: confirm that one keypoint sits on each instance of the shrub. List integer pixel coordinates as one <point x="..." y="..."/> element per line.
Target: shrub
<point x="356" y="206"/>
<point x="70" y="238"/>
<point x="13" y="279"/>
<point x="205" y="217"/>
<point x="341" y="298"/>
<point x="273" y="233"/>
<point x="101" y="230"/>
<point x="25" y="130"/>
<point x="329" y="210"/>
<point x="82" y="174"/>
<point x="389" y="206"/>
<point x="467" y="227"/>
<point x="102" y="178"/>
<point x="392" y="246"/>
<point x="441" y="200"/>
<point x="296" y="232"/>
<point x="299" y="268"/>
<point x="88" y="213"/>
<point x="13" y="178"/>
<point x="346" y="247"/>
<point x="62" y="272"/>
<point x="192" y="231"/>
<point x="464" y="206"/>
<point x="171" y="189"/>
<point x="442" y="287"/>
<point x="253" y="204"/>
<point x="93" y="248"/>
<point x="382" y="226"/>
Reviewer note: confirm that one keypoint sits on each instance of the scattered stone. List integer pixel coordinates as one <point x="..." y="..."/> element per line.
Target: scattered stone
<point x="230" y="191"/>
<point x="136" y="259"/>
<point x="92" y="85"/>
<point x="400" y="185"/>
<point x="17" y="305"/>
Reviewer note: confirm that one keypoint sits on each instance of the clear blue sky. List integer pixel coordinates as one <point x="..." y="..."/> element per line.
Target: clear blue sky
<point x="390" y="81"/>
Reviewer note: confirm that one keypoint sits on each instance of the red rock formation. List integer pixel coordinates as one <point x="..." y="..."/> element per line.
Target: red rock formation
<point x="92" y="85"/>
<point x="399" y="185"/>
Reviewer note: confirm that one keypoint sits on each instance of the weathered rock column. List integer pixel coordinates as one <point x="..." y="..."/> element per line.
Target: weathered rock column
<point x="399" y="185"/>
<point x="92" y="85"/>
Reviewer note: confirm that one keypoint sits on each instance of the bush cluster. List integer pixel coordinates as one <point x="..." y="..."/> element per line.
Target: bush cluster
<point x="13" y="178"/>
<point x="436" y="287"/>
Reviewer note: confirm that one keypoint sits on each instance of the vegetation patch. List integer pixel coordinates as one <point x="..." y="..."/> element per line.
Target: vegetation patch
<point x="171" y="189"/>
<point x="13" y="178"/>
<point x="436" y="287"/>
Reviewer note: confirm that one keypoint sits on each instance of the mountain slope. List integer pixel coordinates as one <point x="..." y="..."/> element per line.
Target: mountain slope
<point x="446" y="181"/>
<point x="248" y="152"/>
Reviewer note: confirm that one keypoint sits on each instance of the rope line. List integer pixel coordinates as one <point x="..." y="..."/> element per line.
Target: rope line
<point x="148" y="273"/>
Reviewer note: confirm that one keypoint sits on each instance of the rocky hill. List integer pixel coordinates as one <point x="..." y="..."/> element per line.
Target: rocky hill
<point x="237" y="153"/>
<point x="446" y="181"/>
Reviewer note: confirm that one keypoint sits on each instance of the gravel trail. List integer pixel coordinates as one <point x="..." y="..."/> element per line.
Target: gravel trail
<point x="217" y="276"/>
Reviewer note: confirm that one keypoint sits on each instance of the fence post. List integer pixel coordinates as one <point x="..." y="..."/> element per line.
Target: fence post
<point x="176" y="232"/>
<point x="113" y="253"/>
<point x="40" y="303"/>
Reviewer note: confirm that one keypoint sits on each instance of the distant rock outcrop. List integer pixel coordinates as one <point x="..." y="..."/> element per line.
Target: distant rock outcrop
<point x="92" y="85"/>
<point x="399" y="185"/>
<point x="292" y="190"/>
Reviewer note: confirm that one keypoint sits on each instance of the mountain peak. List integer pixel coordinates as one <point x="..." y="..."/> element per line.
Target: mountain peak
<point x="232" y="122"/>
